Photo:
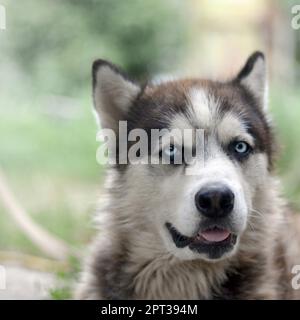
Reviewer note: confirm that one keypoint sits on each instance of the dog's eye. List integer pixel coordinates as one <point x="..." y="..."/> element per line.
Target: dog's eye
<point x="171" y="154"/>
<point x="241" y="148"/>
<point x="170" y="151"/>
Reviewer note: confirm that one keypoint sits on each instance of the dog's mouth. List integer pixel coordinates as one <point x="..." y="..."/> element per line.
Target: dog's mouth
<point x="214" y="241"/>
<point x="214" y="235"/>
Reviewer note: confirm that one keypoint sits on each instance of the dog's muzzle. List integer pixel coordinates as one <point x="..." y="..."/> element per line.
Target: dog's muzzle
<point x="215" y="236"/>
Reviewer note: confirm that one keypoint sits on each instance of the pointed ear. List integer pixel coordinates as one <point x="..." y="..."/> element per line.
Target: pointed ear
<point x="113" y="93"/>
<point x="253" y="76"/>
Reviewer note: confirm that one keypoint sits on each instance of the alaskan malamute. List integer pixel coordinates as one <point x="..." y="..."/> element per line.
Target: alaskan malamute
<point x="211" y="228"/>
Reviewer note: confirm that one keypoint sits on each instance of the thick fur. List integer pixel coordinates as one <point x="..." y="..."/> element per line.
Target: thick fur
<point x="133" y="256"/>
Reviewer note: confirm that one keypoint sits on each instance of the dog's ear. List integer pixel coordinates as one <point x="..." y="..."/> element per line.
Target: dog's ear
<point x="253" y="76"/>
<point x="113" y="93"/>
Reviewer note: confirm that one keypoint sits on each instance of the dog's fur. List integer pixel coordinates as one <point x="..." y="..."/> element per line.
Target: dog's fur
<point x="134" y="256"/>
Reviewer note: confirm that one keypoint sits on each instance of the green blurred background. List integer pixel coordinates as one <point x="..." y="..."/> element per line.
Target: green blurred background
<point x="47" y="129"/>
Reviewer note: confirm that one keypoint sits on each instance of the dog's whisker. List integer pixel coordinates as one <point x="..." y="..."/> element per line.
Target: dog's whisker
<point x="251" y="226"/>
<point x="255" y="214"/>
<point x="256" y="211"/>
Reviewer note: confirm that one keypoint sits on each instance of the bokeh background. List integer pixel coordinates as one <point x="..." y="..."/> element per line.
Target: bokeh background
<point x="48" y="132"/>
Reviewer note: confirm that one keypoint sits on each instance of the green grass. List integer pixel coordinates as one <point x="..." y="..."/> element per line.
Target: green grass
<point x="66" y="281"/>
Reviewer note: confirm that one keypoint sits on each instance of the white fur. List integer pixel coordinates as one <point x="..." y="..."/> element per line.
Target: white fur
<point x="113" y="95"/>
<point x="201" y="107"/>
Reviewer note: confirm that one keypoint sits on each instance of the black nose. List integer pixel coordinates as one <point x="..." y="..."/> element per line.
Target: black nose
<point x="214" y="202"/>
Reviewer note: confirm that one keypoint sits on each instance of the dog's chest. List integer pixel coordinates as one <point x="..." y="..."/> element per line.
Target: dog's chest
<point x="161" y="280"/>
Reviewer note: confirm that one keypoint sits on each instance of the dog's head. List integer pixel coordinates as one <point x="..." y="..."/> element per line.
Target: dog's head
<point x="203" y="214"/>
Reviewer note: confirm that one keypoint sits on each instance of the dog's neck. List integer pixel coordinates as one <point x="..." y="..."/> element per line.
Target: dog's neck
<point x="160" y="275"/>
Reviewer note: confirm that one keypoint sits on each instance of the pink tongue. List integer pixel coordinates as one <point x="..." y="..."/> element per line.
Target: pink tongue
<point x="215" y="235"/>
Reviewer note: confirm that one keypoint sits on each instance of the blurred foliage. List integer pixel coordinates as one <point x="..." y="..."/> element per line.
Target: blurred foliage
<point x="51" y="166"/>
<point x="54" y="42"/>
<point x="285" y="111"/>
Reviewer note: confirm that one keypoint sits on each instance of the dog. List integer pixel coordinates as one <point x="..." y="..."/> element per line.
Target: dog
<point x="222" y="232"/>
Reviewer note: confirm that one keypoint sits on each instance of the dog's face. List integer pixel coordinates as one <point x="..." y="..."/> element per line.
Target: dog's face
<point x="201" y="208"/>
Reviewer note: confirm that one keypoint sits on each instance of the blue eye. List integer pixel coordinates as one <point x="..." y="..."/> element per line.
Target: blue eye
<point x="241" y="148"/>
<point x="170" y="151"/>
<point x="172" y="155"/>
